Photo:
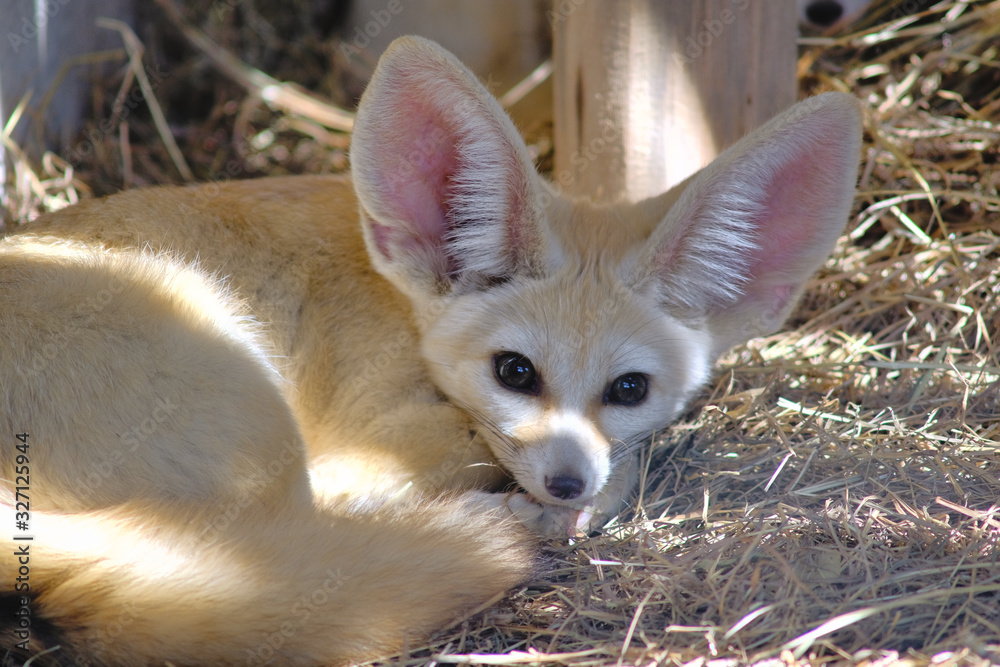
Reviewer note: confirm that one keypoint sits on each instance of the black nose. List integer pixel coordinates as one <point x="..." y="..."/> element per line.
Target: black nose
<point x="564" y="487"/>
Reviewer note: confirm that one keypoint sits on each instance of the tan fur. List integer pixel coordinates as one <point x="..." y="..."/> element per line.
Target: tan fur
<point x="266" y="419"/>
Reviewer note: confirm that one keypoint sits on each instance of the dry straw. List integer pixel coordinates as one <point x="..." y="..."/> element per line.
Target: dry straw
<point x="835" y="495"/>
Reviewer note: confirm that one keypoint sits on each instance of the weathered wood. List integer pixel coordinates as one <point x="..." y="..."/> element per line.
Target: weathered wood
<point x="648" y="91"/>
<point x="39" y="39"/>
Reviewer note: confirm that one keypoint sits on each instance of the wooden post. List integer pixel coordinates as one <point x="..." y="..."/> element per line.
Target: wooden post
<point x="649" y="91"/>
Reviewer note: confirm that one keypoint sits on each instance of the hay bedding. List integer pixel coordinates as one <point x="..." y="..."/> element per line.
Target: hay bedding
<point x="835" y="496"/>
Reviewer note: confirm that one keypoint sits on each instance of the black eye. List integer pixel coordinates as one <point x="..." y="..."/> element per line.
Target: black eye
<point x="515" y="371"/>
<point x="628" y="389"/>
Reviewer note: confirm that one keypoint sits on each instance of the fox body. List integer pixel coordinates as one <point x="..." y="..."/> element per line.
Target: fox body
<point x="281" y="419"/>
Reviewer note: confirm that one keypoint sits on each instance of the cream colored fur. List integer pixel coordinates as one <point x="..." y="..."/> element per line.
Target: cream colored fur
<point x="267" y="420"/>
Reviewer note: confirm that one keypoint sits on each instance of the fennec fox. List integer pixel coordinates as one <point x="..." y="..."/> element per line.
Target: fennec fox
<point x="275" y="420"/>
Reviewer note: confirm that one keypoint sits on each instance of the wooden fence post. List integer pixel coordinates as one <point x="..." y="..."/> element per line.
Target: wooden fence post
<point x="649" y="91"/>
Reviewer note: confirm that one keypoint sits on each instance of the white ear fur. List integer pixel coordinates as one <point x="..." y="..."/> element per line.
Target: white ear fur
<point x="447" y="190"/>
<point x="746" y="233"/>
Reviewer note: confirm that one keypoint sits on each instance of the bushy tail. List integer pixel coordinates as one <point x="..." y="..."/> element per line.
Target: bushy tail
<point x="133" y="586"/>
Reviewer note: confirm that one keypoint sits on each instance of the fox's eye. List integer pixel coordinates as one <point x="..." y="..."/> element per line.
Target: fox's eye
<point x="628" y="389"/>
<point x="515" y="371"/>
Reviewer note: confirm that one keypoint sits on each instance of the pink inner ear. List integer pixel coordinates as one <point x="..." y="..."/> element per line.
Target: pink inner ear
<point x="440" y="168"/>
<point x="792" y="215"/>
<point x="420" y="160"/>
<point x="383" y="239"/>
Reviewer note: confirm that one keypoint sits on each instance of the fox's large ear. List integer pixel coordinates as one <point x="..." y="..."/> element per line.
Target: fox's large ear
<point x="447" y="189"/>
<point x="736" y="248"/>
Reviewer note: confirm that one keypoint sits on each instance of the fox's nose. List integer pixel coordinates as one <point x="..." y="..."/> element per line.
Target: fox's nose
<point x="564" y="487"/>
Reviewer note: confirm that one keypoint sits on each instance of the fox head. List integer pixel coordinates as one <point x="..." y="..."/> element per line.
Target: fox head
<point x="572" y="331"/>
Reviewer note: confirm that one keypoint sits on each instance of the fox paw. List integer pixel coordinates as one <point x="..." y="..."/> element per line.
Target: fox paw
<point x="546" y="520"/>
<point x="551" y="520"/>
